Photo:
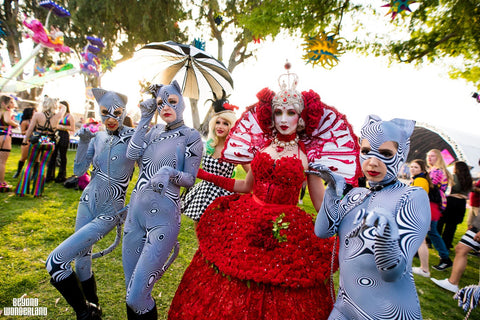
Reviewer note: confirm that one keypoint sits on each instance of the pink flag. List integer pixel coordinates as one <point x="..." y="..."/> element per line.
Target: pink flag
<point x="447" y="157"/>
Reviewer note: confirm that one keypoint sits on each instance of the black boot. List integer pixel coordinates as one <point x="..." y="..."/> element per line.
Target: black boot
<point x="150" y="315"/>
<point x="50" y="173"/>
<point x="61" y="177"/>
<point x="72" y="292"/>
<point x="131" y="315"/>
<point x="89" y="287"/>
<point x="19" y="169"/>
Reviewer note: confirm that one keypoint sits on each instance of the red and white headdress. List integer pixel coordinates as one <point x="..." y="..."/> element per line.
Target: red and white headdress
<point x="328" y="137"/>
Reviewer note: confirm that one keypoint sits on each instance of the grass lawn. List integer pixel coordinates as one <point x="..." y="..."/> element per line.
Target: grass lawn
<point x="31" y="228"/>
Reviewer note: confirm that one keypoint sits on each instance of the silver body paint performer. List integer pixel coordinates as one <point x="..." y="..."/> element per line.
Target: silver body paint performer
<point x="379" y="229"/>
<point x="101" y="204"/>
<point x="169" y="157"/>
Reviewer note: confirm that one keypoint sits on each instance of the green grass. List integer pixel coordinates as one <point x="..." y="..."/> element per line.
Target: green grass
<point x="30" y="228"/>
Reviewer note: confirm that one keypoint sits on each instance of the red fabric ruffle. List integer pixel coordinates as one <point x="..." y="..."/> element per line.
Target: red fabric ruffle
<point x="206" y="294"/>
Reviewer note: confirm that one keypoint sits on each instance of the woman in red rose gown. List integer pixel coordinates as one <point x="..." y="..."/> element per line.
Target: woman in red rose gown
<point x="258" y="256"/>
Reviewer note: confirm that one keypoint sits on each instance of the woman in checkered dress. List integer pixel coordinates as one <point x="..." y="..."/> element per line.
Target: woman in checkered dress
<point x="203" y="193"/>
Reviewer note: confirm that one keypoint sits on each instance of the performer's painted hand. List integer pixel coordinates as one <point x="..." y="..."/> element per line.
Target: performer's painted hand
<point x="380" y="219"/>
<point x="85" y="134"/>
<point x="147" y="108"/>
<point x="161" y="179"/>
<point x="335" y="181"/>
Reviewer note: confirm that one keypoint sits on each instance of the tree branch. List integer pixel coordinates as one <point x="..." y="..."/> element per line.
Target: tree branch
<point x="426" y="51"/>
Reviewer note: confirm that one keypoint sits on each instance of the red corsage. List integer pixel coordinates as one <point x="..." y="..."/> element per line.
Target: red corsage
<point x="313" y="111"/>
<point x="264" y="109"/>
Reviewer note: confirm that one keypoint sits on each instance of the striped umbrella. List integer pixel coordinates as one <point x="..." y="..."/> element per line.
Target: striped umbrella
<point x="194" y="69"/>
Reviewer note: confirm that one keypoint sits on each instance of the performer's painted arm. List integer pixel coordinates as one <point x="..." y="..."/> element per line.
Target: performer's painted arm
<point x="85" y="151"/>
<point x="398" y="238"/>
<point x="137" y="144"/>
<point x="329" y="217"/>
<point x="189" y="158"/>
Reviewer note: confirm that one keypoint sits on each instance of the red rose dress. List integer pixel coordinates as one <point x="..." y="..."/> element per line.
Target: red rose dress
<point x="242" y="270"/>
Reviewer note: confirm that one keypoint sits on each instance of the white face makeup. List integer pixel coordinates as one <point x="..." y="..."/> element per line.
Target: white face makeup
<point x="285" y="119"/>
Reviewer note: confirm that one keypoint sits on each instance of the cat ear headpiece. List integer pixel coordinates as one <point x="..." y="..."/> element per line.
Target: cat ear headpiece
<point x="108" y="102"/>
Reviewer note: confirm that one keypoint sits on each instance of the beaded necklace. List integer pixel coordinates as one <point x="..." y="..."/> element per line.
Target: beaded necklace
<point x="283" y="143"/>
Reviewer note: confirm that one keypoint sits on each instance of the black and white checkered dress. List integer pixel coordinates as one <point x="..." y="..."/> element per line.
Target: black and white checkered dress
<point x="203" y="193"/>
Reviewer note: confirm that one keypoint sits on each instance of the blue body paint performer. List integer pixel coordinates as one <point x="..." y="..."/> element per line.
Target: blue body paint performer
<point x="379" y="229"/>
<point x="101" y="206"/>
<point x="169" y="157"/>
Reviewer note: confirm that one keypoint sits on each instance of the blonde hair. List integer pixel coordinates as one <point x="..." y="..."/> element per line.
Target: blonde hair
<point x="440" y="164"/>
<point x="227" y="115"/>
<point x="49" y="104"/>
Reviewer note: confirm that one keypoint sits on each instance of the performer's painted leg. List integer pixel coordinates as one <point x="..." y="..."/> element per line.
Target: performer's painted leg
<point x="155" y="255"/>
<point x="78" y="246"/>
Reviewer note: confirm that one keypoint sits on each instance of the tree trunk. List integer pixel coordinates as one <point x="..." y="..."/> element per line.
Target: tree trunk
<point x="195" y="113"/>
<point x="204" y="126"/>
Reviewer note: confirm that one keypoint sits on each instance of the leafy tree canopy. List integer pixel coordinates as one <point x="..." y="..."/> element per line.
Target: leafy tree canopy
<point x="123" y="25"/>
<point x="435" y="29"/>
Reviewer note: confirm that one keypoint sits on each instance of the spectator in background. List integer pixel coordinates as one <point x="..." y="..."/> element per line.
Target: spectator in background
<point x="65" y="127"/>
<point x="24" y="123"/>
<point x="421" y="178"/>
<point x="469" y="241"/>
<point x="440" y="178"/>
<point x="79" y="123"/>
<point x="474" y="202"/>
<point x="456" y="202"/>
<point x="41" y="134"/>
<point x="7" y="106"/>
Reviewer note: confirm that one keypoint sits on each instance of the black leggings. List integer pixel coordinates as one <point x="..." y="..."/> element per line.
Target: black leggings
<point x="451" y="217"/>
<point x="61" y="148"/>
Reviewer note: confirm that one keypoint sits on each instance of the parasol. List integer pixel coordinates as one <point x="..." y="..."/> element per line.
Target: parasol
<point x="193" y="68"/>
